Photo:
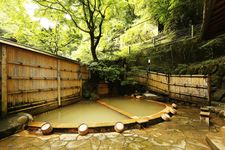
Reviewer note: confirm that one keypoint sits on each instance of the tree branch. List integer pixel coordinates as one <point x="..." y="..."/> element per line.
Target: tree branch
<point x="74" y="21"/>
<point x="63" y="10"/>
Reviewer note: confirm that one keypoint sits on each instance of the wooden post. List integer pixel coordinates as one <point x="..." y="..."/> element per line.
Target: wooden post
<point x="81" y="80"/>
<point x="4" y="98"/>
<point x="129" y="50"/>
<point x="59" y="82"/>
<point x="192" y="31"/>
<point x="168" y="82"/>
<point x="209" y="89"/>
<point x="153" y="41"/>
<point x="147" y="78"/>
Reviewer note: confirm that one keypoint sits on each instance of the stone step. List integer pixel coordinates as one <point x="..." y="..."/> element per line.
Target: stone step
<point x="204" y="114"/>
<point x="204" y="109"/>
<point x="216" y="141"/>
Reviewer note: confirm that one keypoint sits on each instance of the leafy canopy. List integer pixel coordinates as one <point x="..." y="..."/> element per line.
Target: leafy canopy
<point x="93" y="29"/>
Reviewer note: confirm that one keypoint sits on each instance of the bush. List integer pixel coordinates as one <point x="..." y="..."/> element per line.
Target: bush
<point x="106" y="71"/>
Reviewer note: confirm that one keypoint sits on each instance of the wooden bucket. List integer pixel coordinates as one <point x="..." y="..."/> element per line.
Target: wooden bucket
<point x="103" y="89"/>
<point x="46" y="128"/>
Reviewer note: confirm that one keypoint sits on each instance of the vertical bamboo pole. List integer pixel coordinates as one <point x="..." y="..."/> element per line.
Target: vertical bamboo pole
<point x="81" y="79"/>
<point x="59" y="82"/>
<point x="148" y="80"/>
<point x="168" y="82"/>
<point x="4" y="93"/>
<point x="192" y="31"/>
<point x="153" y="41"/>
<point x="209" y="89"/>
<point x="129" y="50"/>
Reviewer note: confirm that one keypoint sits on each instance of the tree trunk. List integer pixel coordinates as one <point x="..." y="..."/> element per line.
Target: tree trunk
<point x="93" y="47"/>
<point x="93" y="53"/>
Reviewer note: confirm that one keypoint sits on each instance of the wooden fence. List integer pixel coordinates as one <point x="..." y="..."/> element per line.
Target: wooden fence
<point x="190" y="88"/>
<point x="35" y="81"/>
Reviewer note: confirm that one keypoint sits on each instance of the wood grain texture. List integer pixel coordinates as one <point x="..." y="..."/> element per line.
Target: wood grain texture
<point x="190" y="88"/>
<point x="4" y="96"/>
<point x="29" y="77"/>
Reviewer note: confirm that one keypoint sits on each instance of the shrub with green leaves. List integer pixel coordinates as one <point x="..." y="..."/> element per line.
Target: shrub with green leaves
<point x="106" y="71"/>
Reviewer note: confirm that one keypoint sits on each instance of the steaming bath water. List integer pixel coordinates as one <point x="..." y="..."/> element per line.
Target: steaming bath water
<point x="93" y="112"/>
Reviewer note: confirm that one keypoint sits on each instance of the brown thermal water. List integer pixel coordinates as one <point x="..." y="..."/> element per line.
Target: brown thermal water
<point x="90" y="112"/>
<point x="136" y="107"/>
<point x="82" y="112"/>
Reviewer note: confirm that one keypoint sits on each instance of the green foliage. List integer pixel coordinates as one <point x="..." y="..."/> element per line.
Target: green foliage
<point x="129" y="81"/>
<point x="27" y="29"/>
<point x="173" y="14"/>
<point x="174" y="58"/>
<point x="214" y="48"/>
<point x="102" y="71"/>
<point x="141" y="32"/>
<point x="94" y="19"/>
<point x="78" y="29"/>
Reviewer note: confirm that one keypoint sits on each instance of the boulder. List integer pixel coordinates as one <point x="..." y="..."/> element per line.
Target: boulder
<point x="139" y="97"/>
<point x="219" y="95"/>
<point x="222" y="113"/>
<point x="174" y="106"/>
<point x="30" y="117"/>
<point x="165" y="117"/>
<point x="22" y="119"/>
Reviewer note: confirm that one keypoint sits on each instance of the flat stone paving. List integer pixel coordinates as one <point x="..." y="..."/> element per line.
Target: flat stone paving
<point x="183" y="132"/>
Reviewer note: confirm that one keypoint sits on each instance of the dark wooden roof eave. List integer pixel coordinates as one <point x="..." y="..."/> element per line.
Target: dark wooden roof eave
<point x="213" y="19"/>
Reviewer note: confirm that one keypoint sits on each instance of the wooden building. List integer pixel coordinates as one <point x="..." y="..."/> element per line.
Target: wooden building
<point x="213" y="19"/>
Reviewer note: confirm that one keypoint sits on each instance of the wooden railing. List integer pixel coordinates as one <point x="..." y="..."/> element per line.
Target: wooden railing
<point x="190" y="88"/>
<point x="32" y="80"/>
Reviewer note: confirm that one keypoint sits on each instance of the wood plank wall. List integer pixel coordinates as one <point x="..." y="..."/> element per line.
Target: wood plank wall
<point x="189" y="88"/>
<point x="35" y="81"/>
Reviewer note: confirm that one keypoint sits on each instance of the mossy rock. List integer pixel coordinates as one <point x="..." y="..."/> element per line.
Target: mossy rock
<point x="183" y="71"/>
<point x="216" y="81"/>
<point x="203" y="70"/>
<point x="191" y="71"/>
<point x="221" y="70"/>
<point x="22" y="119"/>
<point x="223" y="99"/>
<point x="212" y="69"/>
<point x="194" y="70"/>
<point x="219" y="95"/>
<point x="94" y="96"/>
<point x="12" y="124"/>
<point x="223" y="82"/>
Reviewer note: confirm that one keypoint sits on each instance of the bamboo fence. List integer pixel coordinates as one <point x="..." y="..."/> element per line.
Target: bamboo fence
<point x="32" y="80"/>
<point x="189" y="88"/>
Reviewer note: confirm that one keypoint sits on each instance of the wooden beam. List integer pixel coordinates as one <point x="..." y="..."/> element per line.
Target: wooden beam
<point x="209" y="90"/>
<point x="4" y="98"/>
<point x="59" y="82"/>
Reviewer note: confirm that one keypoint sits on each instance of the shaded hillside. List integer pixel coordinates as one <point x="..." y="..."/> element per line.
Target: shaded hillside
<point x="187" y="56"/>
